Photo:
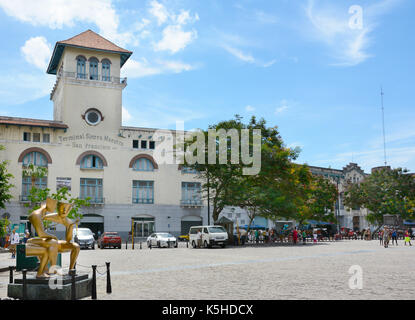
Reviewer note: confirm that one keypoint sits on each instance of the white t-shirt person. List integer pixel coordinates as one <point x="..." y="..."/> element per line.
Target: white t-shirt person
<point x="14" y="238"/>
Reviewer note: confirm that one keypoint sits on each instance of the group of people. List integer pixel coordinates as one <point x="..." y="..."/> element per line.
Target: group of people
<point x="388" y="234"/>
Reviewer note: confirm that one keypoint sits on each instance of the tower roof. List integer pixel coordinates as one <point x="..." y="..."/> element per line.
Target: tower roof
<point x="88" y="40"/>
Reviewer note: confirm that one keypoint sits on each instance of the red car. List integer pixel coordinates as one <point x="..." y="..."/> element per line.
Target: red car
<point x="109" y="239"/>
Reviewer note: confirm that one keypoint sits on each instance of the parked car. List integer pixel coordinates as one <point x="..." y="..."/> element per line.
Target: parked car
<point x="84" y="237"/>
<point x="211" y="235"/>
<point x="109" y="239"/>
<point x="161" y="239"/>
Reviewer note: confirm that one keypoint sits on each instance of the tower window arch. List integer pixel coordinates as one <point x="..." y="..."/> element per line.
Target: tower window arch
<point x="93" y="69"/>
<point x="35" y="158"/>
<point x="81" y="67"/>
<point x="143" y="164"/>
<point x="106" y="70"/>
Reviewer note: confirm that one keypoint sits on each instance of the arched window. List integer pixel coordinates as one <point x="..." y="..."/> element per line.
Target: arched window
<point x="143" y="164"/>
<point x="80" y="67"/>
<point x="93" y="69"/>
<point x="35" y="158"/>
<point x="106" y="70"/>
<point x="91" y="162"/>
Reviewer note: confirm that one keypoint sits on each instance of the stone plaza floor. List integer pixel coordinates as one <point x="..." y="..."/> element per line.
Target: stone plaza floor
<point x="312" y="271"/>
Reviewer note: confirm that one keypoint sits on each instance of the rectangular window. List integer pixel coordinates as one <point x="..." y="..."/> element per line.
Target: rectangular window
<point x="191" y="193"/>
<point x="152" y="144"/>
<point x="46" y="138"/>
<point x="26" y="136"/>
<point x="229" y="214"/>
<point x="135" y="144"/>
<point x="238" y="215"/>
<point x="143" y="144"/>
<point x="143" y="191"/>
<point x="36" y="137"/>
<point x="40" y="183"/>
<point x="92" y="188"/>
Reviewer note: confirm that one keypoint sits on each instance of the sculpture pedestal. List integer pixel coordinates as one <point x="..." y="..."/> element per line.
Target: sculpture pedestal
<point x="59" y="288"/>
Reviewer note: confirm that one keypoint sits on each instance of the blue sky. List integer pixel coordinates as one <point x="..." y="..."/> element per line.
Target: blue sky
<point x="314" y="68"/>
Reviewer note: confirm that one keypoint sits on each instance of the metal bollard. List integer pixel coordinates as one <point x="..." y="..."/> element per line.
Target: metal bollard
<point x="140" y="245"/>
<point x="24" y="284"/>
<point x="133" y="245"/>
<point x="11" y="274"/>
<point x="94" y="283"/>
<point x="72" y="273"/>
<point x="187" y="244"/>
<point x="109" y="288"/>
<point x="126" y="241"/>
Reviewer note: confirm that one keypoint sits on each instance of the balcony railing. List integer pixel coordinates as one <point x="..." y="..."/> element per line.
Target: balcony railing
<point x="137" y="200"/>
<point x="191" y="203"/>
<point x="92" y="77"/>
<point x="95" y="200"/>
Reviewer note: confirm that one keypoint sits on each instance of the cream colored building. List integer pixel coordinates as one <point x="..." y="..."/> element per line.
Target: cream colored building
<point x="86" y="148"/>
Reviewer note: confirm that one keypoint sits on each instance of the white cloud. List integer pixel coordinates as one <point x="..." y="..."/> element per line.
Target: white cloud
<point x="159" y="11"/>
<point x="37" y="51"/>
<point x="126" y="116"/>
<point x="239" y="54"/>
<point x="143" y="68"/>
<point x="175" y="39"/>
<point x="282" y="107"/>
<point x="249" y="108"/>
<point x="57" y="14"/>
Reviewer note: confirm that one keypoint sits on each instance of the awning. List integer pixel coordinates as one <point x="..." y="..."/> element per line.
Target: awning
<point x="253" y="226"/>
<point x="315" y="222"/>
<point x="409" y="223"/>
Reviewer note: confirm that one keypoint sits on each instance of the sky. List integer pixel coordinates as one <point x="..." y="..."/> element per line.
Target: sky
<point x="314" y="68"/>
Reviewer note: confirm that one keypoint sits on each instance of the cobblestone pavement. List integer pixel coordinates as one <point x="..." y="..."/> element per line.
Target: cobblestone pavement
<point x="313" y="271"/>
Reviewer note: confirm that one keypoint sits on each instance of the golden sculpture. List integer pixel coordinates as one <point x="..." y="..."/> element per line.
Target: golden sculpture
<point x="66" y="245"/>
<point x="47" y="246"/>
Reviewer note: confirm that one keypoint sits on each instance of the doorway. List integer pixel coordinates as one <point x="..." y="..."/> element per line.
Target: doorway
<point x="143" y="226"/>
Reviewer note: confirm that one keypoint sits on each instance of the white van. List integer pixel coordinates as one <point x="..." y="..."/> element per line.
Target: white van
<point x="211" y="235"/>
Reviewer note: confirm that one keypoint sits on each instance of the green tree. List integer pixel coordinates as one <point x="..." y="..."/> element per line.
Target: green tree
<point x="385" y="191"/>
<point x="5" y="185"/>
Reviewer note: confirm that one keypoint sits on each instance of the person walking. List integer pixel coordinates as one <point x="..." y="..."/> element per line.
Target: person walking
<point x="199" y="238"/>
<point x="381" y="237"/>
<point x="295" y="235"/>
<point x="394" y="236"/>
<point x="14" y="241"/>
<point x="386" y="237"/>
<point x="304" y="237"/>
<point x="407" y="238"/>
<point x="315" y="236"/>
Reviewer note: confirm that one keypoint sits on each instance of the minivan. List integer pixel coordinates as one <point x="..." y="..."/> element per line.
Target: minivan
<point x="211" y="235"/>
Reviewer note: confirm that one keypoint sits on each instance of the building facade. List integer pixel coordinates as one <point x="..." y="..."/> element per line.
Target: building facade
<point x="86" y="148"/>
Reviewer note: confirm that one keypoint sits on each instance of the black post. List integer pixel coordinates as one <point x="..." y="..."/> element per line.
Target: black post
<point x="150" y="245"/>
<point x="94" y="283"/>
<point x="140" y="245"/>
<point x="24" y="284"/>
<point x="73" y="288"/>
<point x="126" y="241"/>
<point x="11" y="274"/>
<point x="109" y="289"/>
<point x="187" y="244"/>
<point x="133" y="244"/>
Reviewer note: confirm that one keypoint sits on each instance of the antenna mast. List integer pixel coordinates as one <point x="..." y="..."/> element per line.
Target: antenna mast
<point x="383" y="125"/>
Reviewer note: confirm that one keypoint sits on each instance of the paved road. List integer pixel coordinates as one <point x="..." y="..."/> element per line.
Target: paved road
<point x="313" y="271"/>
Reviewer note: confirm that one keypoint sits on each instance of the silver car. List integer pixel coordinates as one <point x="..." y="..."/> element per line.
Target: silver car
<point x="161" y="239"/>
<point x="84" y="237"/>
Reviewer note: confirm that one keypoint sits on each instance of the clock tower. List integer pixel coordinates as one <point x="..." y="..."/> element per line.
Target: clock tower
<point x="87" y="95"/>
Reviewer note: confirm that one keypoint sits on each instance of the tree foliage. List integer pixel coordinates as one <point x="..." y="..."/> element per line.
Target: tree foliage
<point x="5" y="185"/>
<point x="385" y="191"/>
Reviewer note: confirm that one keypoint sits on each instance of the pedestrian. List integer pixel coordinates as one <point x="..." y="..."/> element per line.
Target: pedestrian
<point x="26" y="236"/>
<point x="14" y="241"/>
<point x="394" y="237"/>
<point x="304" y="235"/>
<point x="295" y="235"/>
<point x="411" y="233"/>
<point x="315" y="236"/>
<point x="256" y="236"/>
<point x="386" y="237"/>
<point x="199" y="238"/>
<point x="381" y="237"/>
<point x="407" y="238"/>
